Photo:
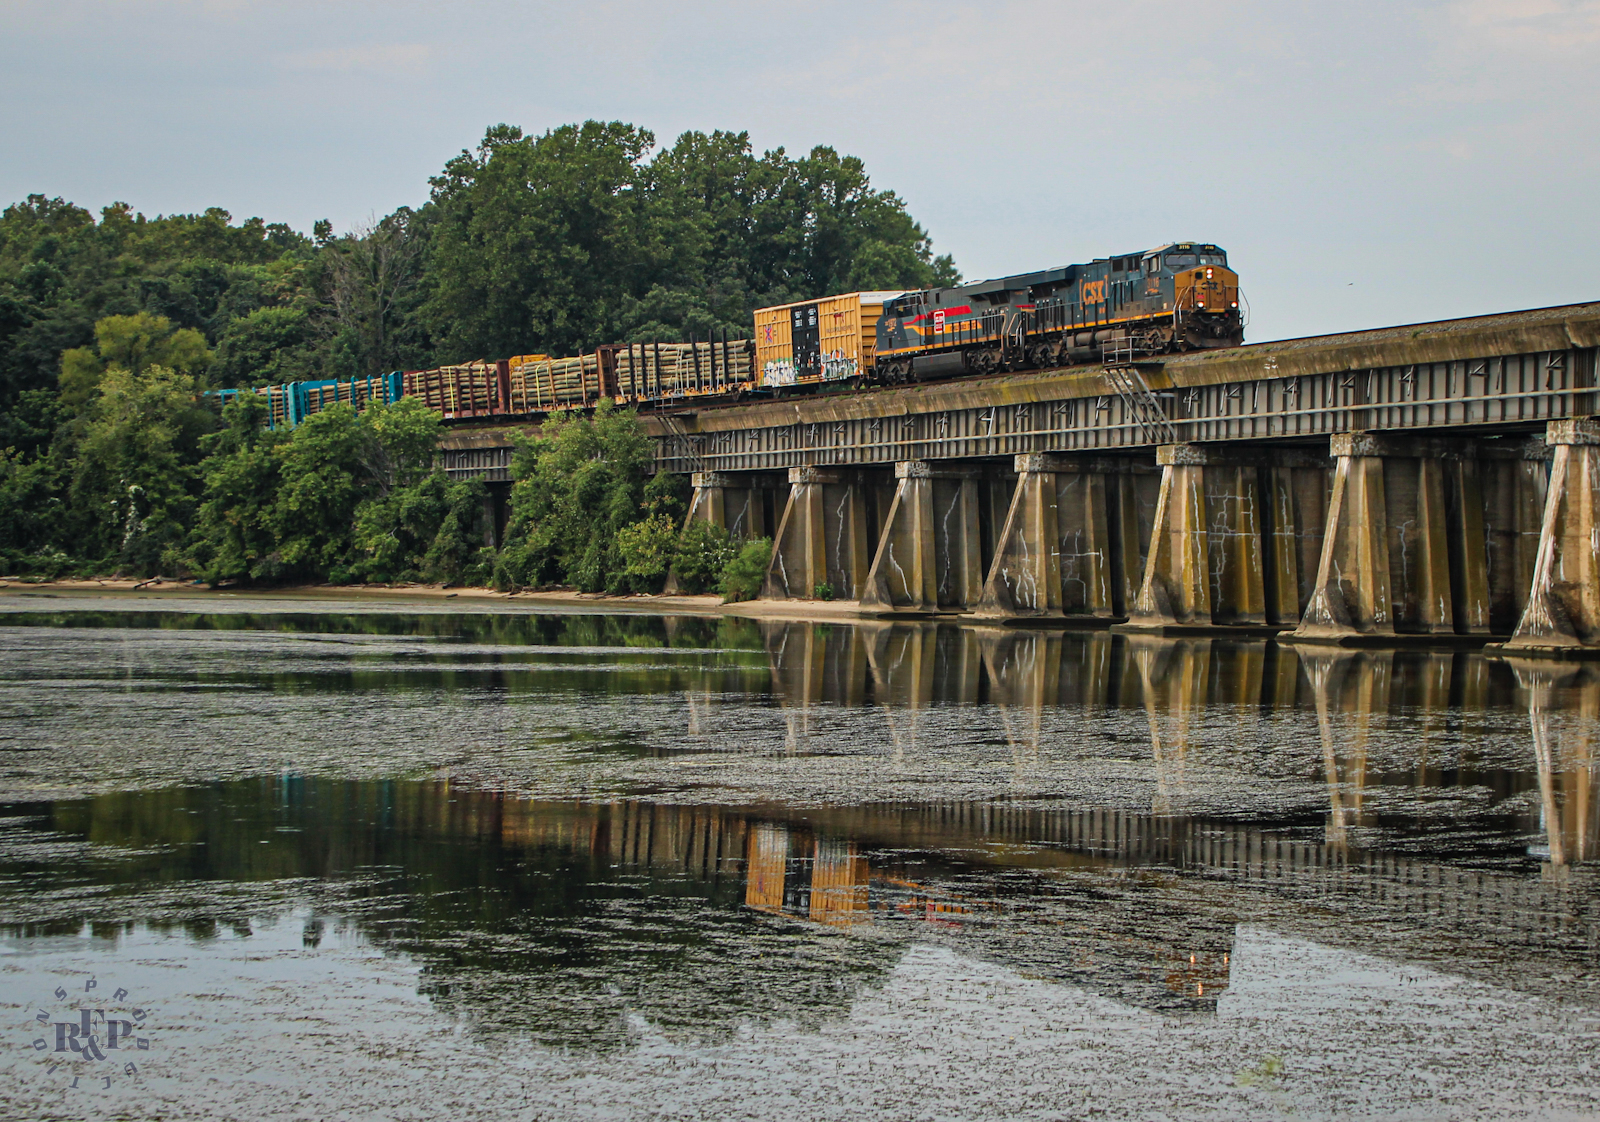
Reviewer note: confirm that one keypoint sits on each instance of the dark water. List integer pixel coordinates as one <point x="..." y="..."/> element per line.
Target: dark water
<point x="483" y="864"/>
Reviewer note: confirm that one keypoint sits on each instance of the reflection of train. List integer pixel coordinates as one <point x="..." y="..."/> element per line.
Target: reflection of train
<point x="1175" y="297"/>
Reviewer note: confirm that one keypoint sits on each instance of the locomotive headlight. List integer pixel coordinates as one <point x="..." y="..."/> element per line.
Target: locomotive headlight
<point x="1208" y="274"/>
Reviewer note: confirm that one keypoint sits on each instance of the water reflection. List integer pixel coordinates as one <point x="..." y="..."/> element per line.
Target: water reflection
<point x="800" y="800"/>
<point x="569" y="920"/>
<point x="1563" y="704"/>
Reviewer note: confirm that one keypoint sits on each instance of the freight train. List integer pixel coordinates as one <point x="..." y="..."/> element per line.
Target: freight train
<point x="1180" y="296"/>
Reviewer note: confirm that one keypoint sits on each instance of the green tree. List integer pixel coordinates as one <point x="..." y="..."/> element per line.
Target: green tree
<point x="579" y="483"/>
<point x="429" y="530"/>
<point x="405" y="442"/>
<point x="420" y="524"/>
<point x="31" y="508"/>
<point x="135" y="477"/>
<point x="375" y="276"/>
<point x="134" y="344"/>
<point x="537" y="239"/>
<point x="325" y="475"/>
<point x="236" y="538"/>
<point x="579" y="236"/>
<point x="266" y="346"/>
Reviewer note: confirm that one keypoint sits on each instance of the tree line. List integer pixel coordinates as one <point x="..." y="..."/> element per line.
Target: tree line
<point x="113" y="460"/>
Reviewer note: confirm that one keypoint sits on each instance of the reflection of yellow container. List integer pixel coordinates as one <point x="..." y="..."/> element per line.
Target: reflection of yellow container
<point x="827" y="340"/>
<point x="839" y="878"/>
<point x="767" y="858"/>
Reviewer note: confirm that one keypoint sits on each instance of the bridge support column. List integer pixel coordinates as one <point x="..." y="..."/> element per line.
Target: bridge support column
<point x="822" y="538"/>
<point x="1409" y="534"/>
<point x="1514" y="489"/>
<point x="709" y="503"/>
<point x="1206" y="565"/>
<point x="1563" y="608"/>
<point x="733" y="502"/>
<point x="928" y="552"/>
<point x="1055" y="554"/>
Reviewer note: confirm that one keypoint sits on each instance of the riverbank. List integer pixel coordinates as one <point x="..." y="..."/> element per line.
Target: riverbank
<point x="478" y="599"/>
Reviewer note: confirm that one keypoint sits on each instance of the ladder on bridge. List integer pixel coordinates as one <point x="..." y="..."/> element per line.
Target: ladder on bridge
<point x="688" y="445"/>
<point x="1143" y="407"/>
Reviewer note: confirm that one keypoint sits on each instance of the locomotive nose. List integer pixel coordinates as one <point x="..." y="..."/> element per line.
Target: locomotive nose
<point x="1213" y="288"/>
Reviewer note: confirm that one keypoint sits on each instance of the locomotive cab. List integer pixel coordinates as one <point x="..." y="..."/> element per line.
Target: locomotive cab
<point x="1194" y="282"/>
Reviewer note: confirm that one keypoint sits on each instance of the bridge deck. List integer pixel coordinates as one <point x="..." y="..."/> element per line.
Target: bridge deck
<point x="1510" y="372"/>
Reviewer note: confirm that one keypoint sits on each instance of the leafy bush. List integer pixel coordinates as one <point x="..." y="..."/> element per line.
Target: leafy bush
<point x="744" y="575"/>
<point x="427" y="531"/>
<point x="645" y="550"/>
<point x="30" y="502"/>
<point x="51" y="564"/>
<point x="823" y="591"/>
<point x="234" y="539"/>
<point x="704" y="551"/>
<point x="579" y="485"/>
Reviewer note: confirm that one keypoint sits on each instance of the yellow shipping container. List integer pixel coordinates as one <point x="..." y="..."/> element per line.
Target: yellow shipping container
<point x="825" y="340"/>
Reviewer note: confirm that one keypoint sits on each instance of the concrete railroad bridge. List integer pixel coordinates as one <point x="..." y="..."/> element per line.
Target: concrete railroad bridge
<point x="1438" y="479"/>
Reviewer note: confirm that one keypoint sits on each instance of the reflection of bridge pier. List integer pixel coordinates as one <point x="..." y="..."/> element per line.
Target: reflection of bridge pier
<point x="813" y="663"/>
<point x="1173" y="678"/>
<point x="1354" y="685"/>
<point x="912" y="667"/>
<point x="1569" y="774"/>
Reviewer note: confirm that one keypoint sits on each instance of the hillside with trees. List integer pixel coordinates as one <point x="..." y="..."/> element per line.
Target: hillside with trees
<point x="112" y="460"/>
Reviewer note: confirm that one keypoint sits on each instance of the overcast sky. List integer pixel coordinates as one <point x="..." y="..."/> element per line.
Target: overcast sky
<point x="1363" y="163"/>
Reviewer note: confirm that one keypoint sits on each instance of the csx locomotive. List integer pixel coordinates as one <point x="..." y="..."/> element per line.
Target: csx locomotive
<point x="1176" y="297"/>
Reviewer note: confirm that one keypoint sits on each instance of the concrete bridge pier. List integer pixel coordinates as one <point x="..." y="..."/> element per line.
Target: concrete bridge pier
<point x="1229" y="537"/>
<point x="824" y="538"/>
<point x="1563" y="606"/>
<point x="1070" y="543"/>
<point x="737" y="502"/>
<point x="1410" y="534"/>
<point x="928" y="557"/>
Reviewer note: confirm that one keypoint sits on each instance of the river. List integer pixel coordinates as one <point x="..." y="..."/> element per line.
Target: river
<point x="304" y="859"/>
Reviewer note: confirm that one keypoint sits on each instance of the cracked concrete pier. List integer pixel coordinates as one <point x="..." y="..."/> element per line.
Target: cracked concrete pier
<point x="929" y="552"/>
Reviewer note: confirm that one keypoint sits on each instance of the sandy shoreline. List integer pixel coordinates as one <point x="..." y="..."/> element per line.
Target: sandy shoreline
<point x="479" y="598"/>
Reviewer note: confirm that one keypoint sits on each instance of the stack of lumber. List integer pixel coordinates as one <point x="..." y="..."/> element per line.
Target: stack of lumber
<point x="654" y="371"/>
<point x="464" y="390"/>
<point x="540" y="383"/>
